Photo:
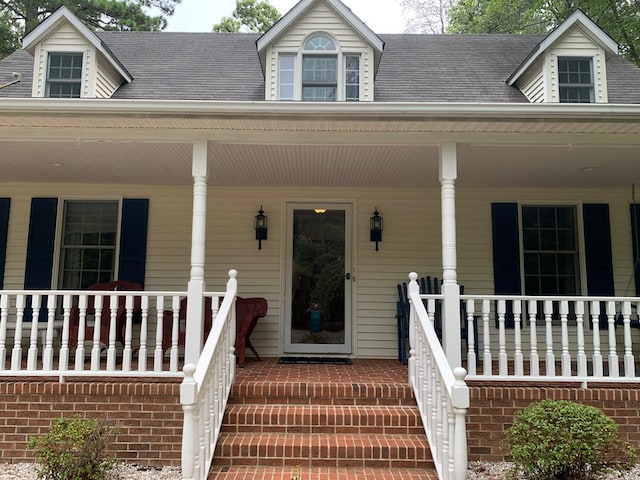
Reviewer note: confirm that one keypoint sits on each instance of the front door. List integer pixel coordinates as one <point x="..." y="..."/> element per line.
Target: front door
<point x="318" y="306"/>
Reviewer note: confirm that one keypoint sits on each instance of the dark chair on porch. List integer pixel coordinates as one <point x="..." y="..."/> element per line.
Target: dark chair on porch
<point x="248" y="312"/>
<point x="105" y="320"/>
<point x="428" y="285"/>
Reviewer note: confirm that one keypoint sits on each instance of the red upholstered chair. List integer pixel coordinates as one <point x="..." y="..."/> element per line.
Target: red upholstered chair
<point x="117" y="285"/>
<point x="248" y="311"/>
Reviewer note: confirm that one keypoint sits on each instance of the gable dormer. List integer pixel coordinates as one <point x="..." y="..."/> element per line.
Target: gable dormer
<point x="569" y="65"/>
<point x="70" y="61"/>
<point x="319" y="51"/>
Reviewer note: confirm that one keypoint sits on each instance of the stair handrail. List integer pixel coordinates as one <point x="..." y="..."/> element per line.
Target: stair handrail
<point x="206" y="387"/>
<point x="441" y="392"/>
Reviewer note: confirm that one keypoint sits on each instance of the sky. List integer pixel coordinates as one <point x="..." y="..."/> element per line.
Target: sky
<point x="382" y="16"/>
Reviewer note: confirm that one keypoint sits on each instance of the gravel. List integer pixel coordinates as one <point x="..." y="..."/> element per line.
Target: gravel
<point x="477" y="471"/>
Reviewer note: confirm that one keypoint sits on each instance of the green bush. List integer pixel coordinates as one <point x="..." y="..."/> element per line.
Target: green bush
<point x="73" y="449"/>
<point x="563" y="440"/>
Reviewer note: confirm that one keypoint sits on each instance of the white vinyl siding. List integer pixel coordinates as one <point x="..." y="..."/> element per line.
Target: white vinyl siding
<point x="532" y="84"/>
<point x="320" y="19"/>
<point x="411" y="242"/>
<point x="107" y="79"/>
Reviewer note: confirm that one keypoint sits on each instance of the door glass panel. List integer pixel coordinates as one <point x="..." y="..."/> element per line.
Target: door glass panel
<point x="318" y="278"/>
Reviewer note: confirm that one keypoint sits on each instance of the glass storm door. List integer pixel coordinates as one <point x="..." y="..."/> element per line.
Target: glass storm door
<point x="318" y="311"/>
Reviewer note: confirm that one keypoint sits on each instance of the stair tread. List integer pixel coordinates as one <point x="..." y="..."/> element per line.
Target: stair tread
<point x="323" y="439"/>
<point x="320" y="473"/>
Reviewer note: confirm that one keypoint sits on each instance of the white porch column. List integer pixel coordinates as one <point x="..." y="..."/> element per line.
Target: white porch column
<point x="195" y="301"/>
<point x="451" y="340"/>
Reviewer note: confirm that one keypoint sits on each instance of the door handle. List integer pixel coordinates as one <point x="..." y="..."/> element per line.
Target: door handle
<point x="347" y="276"/>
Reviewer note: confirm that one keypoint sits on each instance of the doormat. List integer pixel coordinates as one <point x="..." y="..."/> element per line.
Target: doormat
<point x="314" y="361"/>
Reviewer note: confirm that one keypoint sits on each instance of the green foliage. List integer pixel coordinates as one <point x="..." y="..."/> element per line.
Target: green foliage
<point x="73" y="449"/>
<point x="251" y="16"/>
<point x="563" y="440"/>
<point x="619" y="18"/>
<point x="18" y="17"/>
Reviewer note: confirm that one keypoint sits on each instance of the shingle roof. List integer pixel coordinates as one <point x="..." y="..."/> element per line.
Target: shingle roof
<point x="223" y="66"/>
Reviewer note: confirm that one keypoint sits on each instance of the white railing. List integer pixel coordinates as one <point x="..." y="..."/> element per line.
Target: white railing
<point x="63" y="333"/>
<point x="206" y="388"/>
<point x="441" y="394"/>
<point x="544" y="338"/>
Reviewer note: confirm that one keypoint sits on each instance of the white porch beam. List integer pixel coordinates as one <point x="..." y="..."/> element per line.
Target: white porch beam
<point x="451" y="339"/>
<point x="196" y="287"/>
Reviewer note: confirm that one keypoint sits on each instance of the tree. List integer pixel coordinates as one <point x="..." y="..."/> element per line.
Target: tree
<point x="619" y="18"/>
<point x="250" y="16"/>
<point x="426" y="16"/>
<point x="18" y="17"/>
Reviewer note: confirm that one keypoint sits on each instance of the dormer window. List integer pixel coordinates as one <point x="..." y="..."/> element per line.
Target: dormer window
<point x="319" y="72"/>
<point x="575" y="80"/>
<point x="64" y="75"/>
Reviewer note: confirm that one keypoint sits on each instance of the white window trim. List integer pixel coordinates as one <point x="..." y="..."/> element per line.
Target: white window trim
<point x="594" y="80"/>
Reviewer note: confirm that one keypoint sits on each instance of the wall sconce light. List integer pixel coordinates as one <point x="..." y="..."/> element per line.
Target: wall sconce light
<point x="375" y="223"/>
<point x="261" y="227"/>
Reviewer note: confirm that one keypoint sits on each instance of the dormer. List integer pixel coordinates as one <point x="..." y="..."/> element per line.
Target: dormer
<point x="70" y="61"/>
<point x="319" y="51"/>
<point x="569" y="65"/>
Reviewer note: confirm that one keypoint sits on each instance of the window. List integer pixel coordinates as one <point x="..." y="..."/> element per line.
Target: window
<point x="64" y="75"/>
<point x="322" y="73"/>
<point x="575" y="80"/>
<point x="88" y="246"/>
<point x="550" y="250"/>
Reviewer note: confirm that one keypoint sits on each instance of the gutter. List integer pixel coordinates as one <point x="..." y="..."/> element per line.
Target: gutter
<point x="315" y="110"/>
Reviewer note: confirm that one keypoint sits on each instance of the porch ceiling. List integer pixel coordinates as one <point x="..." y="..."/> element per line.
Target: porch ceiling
<point x="391" y="146"/>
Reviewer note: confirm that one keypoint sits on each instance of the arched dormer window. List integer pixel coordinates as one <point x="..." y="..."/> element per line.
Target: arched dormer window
<point x="319" y="72"/>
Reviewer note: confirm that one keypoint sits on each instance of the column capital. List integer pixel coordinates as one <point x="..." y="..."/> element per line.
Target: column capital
<point x="448" y="161"/>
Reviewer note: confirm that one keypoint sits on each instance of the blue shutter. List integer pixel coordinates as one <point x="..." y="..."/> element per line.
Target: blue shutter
<point x="506" y="253"/>
<point x="635" y="240"/>
<point x="597" y="250"/>
<point x="42" y="234"/>
<point x="5" y="203"/>
<point x="133" y="240"/>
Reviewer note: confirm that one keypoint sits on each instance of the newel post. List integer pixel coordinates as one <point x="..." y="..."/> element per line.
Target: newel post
<point x="188" y="398"/>
<point x="413" y="289"/>
<point x="460" y="404"/>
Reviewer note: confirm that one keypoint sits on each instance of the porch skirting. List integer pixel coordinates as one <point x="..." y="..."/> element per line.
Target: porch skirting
<point x="147" y="415"/>
<point x="492" y="407"/>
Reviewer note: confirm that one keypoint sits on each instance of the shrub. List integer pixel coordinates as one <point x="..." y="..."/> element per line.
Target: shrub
<point x="73" y="449"/>
<point x="563" y="440"/>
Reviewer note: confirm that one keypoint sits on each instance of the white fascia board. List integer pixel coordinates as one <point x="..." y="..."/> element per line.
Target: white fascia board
<point x="301" y="7"/>
<point x="53" y="21"/>
<point x="337" y="110"/>
<point x="578" y="18"/>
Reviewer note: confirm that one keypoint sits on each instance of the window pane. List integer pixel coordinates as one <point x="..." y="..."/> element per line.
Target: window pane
<point x="320" y="42"/>
<point x="64" y="75"/>
<point x="88" y="243"/>
<point x="286" y="77"/>
<point x="352" y="78"/>
<point x="575" y="80"/>
<point x="319" y="78"/>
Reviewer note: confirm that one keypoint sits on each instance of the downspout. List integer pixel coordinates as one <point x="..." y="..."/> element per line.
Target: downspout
<point x="451" y="338"/>
<point x="196" y="287"/>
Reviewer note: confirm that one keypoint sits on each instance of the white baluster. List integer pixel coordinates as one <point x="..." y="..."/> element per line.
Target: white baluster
<point x="597" y="355"/>
<point x="534" y="358"/>
<point x="4" y="315"/>
<point x="565" y="357"/>
<point x="158" y="354"/>
<point x="47" y="353"/>
<point x="487" y="365"/>
<point x="517" y="326"/>
<point x="113" y="321"/>
<point x="64" y="342"/>
<point x="629" y="363"/>
<point x="502" y="343"/>
<point x="582" y="356"/>
<point x="614" y="369"/>
<point x="16" y="353"/>
<point x="471" y="339"/>
<point x="97" y="328"/>
<point x="142" y="351"/>
<point x="175" y="332"/>
<point x="32" y="354"/>
<point x="128" y="334"/>
<point x="550" y="358"/>
<point x="82" y="321"/>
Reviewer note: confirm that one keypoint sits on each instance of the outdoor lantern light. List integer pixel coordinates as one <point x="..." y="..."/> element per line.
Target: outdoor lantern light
<point x="261" y="227"/>
<point x="375" y="223"/>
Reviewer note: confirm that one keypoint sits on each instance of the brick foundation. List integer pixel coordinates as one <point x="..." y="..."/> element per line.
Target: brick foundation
<point x="493" y="407"/>
<point x="148" y="416"/>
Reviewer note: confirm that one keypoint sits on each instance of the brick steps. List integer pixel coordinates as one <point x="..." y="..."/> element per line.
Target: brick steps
<point x="319" y="473"/>
<point x="341" y="427"/>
